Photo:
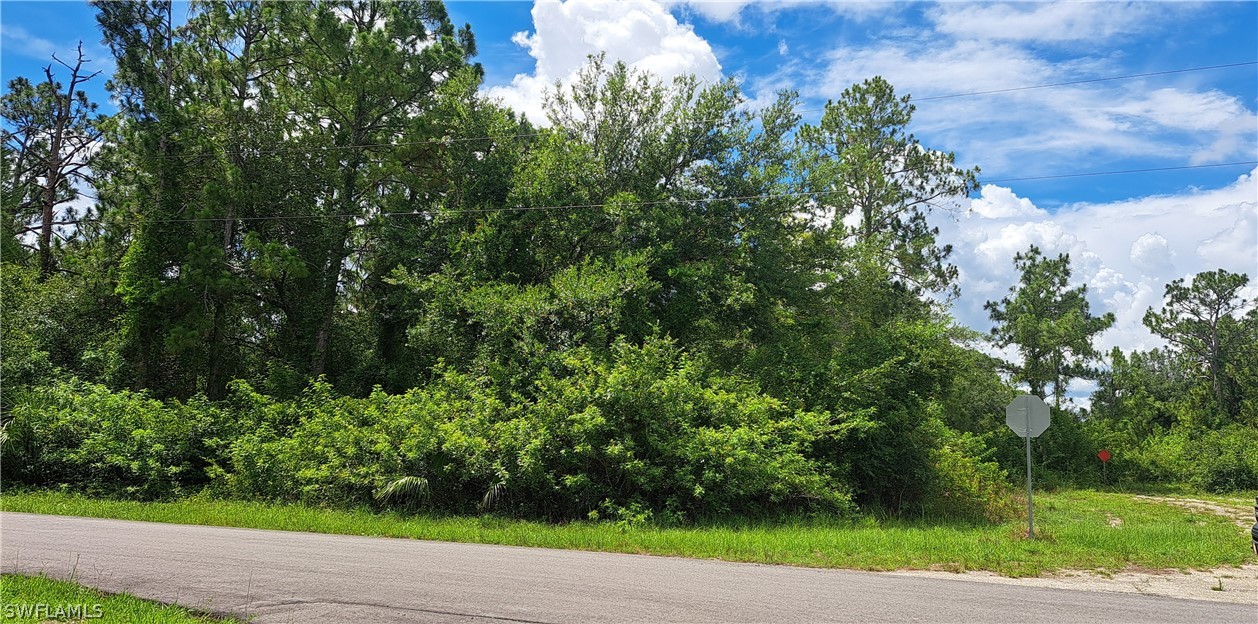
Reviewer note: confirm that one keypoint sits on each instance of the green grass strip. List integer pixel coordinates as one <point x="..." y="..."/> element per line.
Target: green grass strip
<point x="1078" y="529"/>
<point x="41" y="599"/>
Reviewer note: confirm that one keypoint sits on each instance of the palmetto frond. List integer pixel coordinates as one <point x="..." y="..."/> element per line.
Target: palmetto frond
<point x="491" y="496"/>
<point x="403" y="488"/>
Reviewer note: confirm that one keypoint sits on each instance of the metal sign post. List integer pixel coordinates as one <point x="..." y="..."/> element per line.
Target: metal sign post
<point x="1104" y="457"/>
<point x="1028" y="417"/>
<point x="1030" y="509"/>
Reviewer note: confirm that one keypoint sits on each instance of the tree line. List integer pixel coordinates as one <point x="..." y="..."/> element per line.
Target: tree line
<point x="308" y="259"/>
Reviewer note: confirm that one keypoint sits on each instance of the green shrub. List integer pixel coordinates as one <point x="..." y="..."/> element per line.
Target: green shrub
<point x="633" y="433"/>
<point x="653" y="431"/>
<point x="646" y="433"/>
<point x="896" y="448"/>
<point x="964" y="485"/>
<point x="1161" y="458"/>
<point x="1225" y="460"/>
<point x="322" y="448"/>
<point x="118" y="443"/>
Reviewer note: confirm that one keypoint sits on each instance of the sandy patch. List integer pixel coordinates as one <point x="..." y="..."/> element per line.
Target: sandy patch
<point x="1236" y="585"/>
<point x="1242" y="516"/>
<point x="1240" y="585"/>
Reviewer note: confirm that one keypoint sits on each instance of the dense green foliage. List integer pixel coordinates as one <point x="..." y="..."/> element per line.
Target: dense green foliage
<point x="1180" y="414"/>
<point x="648" y="434"/>
<point x="1186" y="412"/>
<point x="321" y="267"/>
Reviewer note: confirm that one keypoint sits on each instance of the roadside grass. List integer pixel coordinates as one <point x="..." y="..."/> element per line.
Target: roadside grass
<point x="41" y="599"/>
<point x="1076" y="529"/>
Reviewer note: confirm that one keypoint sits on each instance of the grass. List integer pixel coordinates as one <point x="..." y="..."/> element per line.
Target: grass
<point x="41" y="599"/>
<point x="1074" y="527"/>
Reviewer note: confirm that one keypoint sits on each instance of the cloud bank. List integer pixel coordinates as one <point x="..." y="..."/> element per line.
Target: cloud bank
<point x="1125" y="252"/>
<point x="644" y="35"/>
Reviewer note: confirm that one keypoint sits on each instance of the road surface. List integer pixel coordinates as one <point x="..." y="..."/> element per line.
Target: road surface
<point x="278" y="576"/>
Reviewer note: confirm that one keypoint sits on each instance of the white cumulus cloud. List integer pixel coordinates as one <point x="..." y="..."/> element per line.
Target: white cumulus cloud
<point x="998" y="202"/>
<point x="644" y="35"/>
<point x="1125" y="252"/>
<point x="1151" y="254"/>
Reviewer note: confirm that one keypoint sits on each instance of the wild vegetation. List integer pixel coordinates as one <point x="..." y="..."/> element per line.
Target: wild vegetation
<point x="307" y="261"/>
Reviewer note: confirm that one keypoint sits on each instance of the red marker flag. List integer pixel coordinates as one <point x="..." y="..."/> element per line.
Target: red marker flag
<point x="1104" y="455"/>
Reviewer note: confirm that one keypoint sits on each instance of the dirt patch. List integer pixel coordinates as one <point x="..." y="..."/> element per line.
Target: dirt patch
<point x="1238" y="585"/>
<point x="1243" y="517"/>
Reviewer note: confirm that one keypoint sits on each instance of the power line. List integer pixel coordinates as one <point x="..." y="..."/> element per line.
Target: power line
<point x="657" y="202"/>
<point x="417" y="213"/>
<point x="1120" y="172"/>
<point x="1087" y="81"/>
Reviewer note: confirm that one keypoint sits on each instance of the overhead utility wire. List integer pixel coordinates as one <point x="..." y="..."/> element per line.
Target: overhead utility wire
<point x="523" y="135"/>
<point x="1086" y="81"/>
<point x="1124" y="171"/>
<point x="416" y="213"/>
<point x="656" y="202"/>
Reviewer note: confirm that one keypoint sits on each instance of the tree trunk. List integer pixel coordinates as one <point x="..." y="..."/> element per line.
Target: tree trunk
<point x="331" y="279"/>
<point x="216" y="378"/>
<point x="332" y="271"/>
<point x="340" y="247"/>
<point x="52" y="179"/>
<point x="45" y="228"/>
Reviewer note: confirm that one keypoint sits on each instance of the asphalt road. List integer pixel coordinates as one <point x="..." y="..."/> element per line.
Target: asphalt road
<point x="277" y="576"/>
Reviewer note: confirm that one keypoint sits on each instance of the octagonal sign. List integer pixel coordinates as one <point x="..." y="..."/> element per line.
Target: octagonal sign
<point x="1027" y="415"/>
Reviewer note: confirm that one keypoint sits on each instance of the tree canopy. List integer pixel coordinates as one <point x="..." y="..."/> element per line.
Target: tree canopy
<point x="1050" y="324"/>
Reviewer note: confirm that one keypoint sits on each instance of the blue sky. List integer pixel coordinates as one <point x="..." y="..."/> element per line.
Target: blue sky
<point x="1127" y="234"/>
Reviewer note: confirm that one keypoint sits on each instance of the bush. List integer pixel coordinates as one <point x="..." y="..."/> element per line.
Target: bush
<point x="321" y="448"/>
<point x="124" y="443"/>
<point x="647" y="434"/>
<point x="633" y="433"/>
<point x="1161" y="458"/>
<point x="1224" y="460"/>
<point x="898" y="450"/>
<point x="964" y="485"/>
<point x="653" y="431"/>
